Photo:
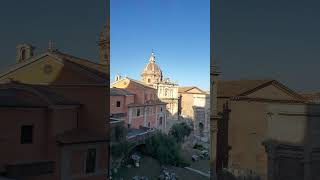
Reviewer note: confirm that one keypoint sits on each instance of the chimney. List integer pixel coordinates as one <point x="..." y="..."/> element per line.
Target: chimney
<point x="24" y="52"/>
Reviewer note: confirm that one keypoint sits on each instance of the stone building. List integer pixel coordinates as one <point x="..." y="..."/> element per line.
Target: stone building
<point x="195" y="106"/>
<point x="293" y="153"/>
<point x="244" y="106"/>
<point x="119" y="100"/>
<point x="54" y="110"/>
<point x="167" y="90"/>
<point x="312" y="97"/>
<point x="138" y="103"/>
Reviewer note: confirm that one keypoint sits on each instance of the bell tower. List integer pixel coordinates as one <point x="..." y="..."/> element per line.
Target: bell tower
<point x="104" y="44"/>
<point x="24" y="52"/>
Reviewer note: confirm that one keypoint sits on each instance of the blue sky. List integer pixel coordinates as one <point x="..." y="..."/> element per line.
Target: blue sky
<point x="72" y="25"/>
<point x="177" y="30"/>
<point x="269" y="39"/>
<point x="253" y="39"/>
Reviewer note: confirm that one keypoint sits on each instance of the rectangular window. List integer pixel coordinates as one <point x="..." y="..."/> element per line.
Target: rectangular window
<point x="91" y="161"/>
<point x="138" y="112"/>
<point x="26" y="134"/>
<point x="118" y="104"/>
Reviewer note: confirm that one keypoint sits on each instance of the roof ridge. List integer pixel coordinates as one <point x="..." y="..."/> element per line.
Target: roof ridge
<point x="246" y="80"/>
<point x="140" y="82"/>
<point x="76" y="57"/>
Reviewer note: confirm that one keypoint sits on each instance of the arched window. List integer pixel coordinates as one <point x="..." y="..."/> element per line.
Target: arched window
<point x="166" y="92"/>
<point x="23" y="54"/>
<point x="201" y="128"/>
<point x="149" y="80"/>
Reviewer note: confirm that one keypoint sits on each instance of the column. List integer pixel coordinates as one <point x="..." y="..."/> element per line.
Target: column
<point x="65" y="166"/>
<point x="272" y="164"/>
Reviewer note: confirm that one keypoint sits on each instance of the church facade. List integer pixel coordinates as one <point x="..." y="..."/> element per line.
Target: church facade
<point x="142" y="109"/>
<point x="167" y="90"/>
<point x="55" y="110"/>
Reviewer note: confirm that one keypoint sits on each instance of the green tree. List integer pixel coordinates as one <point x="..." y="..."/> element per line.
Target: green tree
<point x="119" y="133"/>
<point x="166" y="149"/>
<point x="119" y="143"/>
<point x="180" y="130"/>
<point x="120" y="149"/>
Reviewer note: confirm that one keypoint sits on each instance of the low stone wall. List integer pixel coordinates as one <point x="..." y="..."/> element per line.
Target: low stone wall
<point x="292" y="162"/>
<point x="237" y="174"/>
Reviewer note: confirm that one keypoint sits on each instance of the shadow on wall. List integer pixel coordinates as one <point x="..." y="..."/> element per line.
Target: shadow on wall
<point x="233" y="174"/>
<point x="67" y="78"/>
<point x="298" y="160"/>
<point x="291" y="154"/>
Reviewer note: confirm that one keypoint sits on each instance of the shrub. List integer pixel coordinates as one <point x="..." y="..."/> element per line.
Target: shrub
<point x="118" y="133"/>
<point x="198" y="146"/>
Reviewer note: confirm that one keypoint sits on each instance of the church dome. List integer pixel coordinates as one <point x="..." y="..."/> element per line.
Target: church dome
<point x="152" y="68"/>
<point x="152" y="72"/>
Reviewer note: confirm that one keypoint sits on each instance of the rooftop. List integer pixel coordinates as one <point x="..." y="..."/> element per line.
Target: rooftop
<point x="14" y="94"/>
<point x="184" y="89"/>
<point x="119" y="92"/>
<point x="230" y="88"/>
<point x="239" y="89"/>
<point x="95" y="68"/>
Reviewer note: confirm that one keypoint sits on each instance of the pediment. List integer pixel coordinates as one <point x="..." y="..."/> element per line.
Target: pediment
<point x="195" y="90"/>
<point x="50" y="69"/>
<point x="273" y="91"/>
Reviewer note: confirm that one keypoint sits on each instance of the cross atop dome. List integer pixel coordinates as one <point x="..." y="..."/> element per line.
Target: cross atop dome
<point x="152" y="58"/>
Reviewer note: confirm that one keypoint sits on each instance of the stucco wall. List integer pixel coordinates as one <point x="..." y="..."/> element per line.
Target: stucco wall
<point x="186" y="105"/>
<point x="247" y="130"/>
<point x="10" y="132"/>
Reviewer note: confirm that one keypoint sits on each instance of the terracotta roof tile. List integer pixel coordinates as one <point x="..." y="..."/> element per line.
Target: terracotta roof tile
<point x="98" y="69"/>
<point x="141" y="83"/>
<point x="119" y="92"/>
<point x="230" y="88"/>
<point x="182" y="89"/>
<point x="311" y="96"/>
